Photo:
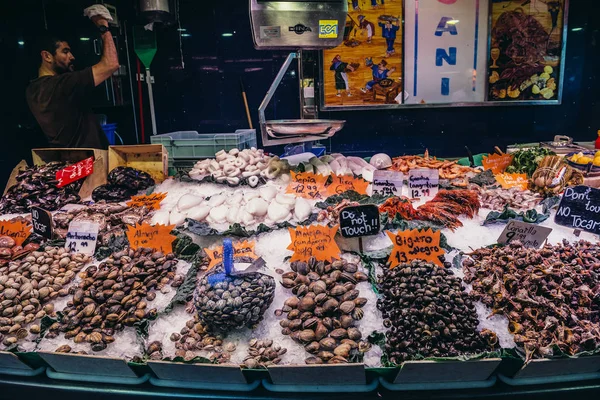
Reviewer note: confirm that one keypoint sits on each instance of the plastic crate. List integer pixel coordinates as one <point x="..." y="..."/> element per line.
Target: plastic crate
<point x="192" y="145"/>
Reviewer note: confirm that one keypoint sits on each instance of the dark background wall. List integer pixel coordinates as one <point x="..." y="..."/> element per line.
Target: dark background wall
<point x="205" y="95"/>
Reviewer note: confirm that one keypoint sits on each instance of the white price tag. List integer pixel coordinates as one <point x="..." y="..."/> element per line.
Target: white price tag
<point x="530" y="235"/>
<point x="423" y="182"/>
<point x="82" y="237"/>
<point x="388" y="183"/>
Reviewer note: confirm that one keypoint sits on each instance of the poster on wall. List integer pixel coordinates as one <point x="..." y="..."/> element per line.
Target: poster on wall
<point x="366" y="69"/>
<point x="445" y="51"/>
<point x="526" y="48"/>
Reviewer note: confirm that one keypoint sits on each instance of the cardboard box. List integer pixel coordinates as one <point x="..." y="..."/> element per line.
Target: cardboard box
<point x="97" y="178"/>
<point x="150" y="158"/>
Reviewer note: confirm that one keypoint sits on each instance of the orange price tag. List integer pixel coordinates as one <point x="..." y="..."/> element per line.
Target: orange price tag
<point x="308" y="185"/>
<point x="240" y="249"/>
<point x="151" y="201"/>
<point x="314" y="241"/>
<point x="343" y="183"/>
<point x="19" y="230"/>
<point x="508" y="181"/>
<point x="496" y="162"/>
<point x="415" y="245"/>
<point x="157" y="237"/>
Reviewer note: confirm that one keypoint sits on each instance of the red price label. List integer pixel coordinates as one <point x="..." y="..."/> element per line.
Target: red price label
<point x="75" y="172"/>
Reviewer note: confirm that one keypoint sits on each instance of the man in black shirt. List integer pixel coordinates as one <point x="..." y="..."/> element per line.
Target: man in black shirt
<point x="59" y="97"/>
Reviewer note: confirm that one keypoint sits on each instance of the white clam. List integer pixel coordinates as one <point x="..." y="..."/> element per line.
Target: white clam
<point x="302" y="210"/>
<point x="250" y="195"/>
<point x="257" y="207"/>
<point x="278" y="212"/>
<point x="286" y="200"/>
<point x="235" y="198"/>
<point x="216" y="200"/>
<point x="268" y="192"/>
<point x="232" y="214"/>
<point x="219" y="214"/>
<point x="246" y="218"/>
<point x="198" y="213"/>
<point x="188" y="201"/>
<point x="161" y="217"/>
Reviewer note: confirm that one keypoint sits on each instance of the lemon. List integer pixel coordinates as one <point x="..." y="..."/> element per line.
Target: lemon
<point x="585" y="160"/>
<point x="548" y="69"/>
<point x="597" y="161"/>
<point x="535" y="89"/>
<point x="545" y="76"/>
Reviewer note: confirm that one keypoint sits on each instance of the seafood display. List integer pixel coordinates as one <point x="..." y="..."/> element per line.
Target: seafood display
<point x="428" y="314"/>
<point x="113" y="219"/>
<point x="444" y="209"/>
<point x="549" y="295"/>
<point x="527" y="161"/>
<point x="553" y="175"/>
<point x="113" y="295"/>
<point x="450" y="170"/>
<point x="322" y="313"/>
<point x="338" y="164"/>
<point x="495" y="198"/>
<point x="123" y="182"/>
<point x="263" y="353"/>
<point x="9" y="251"/>
<point x="265" y="205"/>
<point x="235" y="167"/>
<point x="226" y="302"/>
<point x="36" y="187"/>
<point x="196" y="337"/>
<point x="28" y="288"/>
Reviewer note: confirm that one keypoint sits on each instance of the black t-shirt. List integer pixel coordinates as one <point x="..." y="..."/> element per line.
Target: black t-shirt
<point x="60" y="105"/>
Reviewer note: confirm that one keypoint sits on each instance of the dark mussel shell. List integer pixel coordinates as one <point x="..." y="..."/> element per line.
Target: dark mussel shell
<point x="112" y="193"/>
<point x="131" y="178"/>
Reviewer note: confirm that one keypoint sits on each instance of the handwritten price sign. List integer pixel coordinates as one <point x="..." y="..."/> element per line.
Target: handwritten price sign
<point x="415" y="245"/>
<point x="151" y="202"/>
<point x="496" y="162"/>
<point x="157" y="237"/>
<point x="343" y="183"/>
<point x="75" y="172"/>
<point x="19" y="230"/>
<point x="314" y="241"/>
<point x="508" y="181"/>
<point x="241" y="249"/>
<point x="308" y="185"/>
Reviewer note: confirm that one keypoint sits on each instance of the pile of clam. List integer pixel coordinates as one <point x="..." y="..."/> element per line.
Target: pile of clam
<point x="235" y="167"/>
<point x="36" y="187"/>
<point x="247" y="208"/>
<point x="112" y="219"/>
<point x="227" y="302"/>
<point x="28" y="287"/>
<point x="195" y="337"/>
<point x="428" y="314"/>
<point x="322" y="313"/>
<point x="551" y="296"/>
<point x="262" y="354"/>
<point x="114" y="295"/>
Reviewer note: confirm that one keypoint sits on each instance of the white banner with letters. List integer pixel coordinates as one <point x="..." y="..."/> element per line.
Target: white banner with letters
<point x="445" y="50"/>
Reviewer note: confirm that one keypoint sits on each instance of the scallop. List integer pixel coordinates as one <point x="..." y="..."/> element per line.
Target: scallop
<point x="251" y="195"/>
<point x="235" y="199"/>
<point x="232" y="214"/>
<point x="188" y="201"/>
<point x="176" y="218"/>
<point x="286" y="200"/>
<point x="216" y="200"/>
<point x="198" y="213"/>
<point x="268" y="192"/>
<point x="278" y="212"/>
<point x="302" y="209"/>
<point x="219" y="214"/>
<point x="246" y="217"/>
<point x="161" y="217"/>
<point x="257" y="207"/>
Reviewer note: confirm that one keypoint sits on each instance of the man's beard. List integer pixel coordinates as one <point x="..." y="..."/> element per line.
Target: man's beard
<point x="63" y="70"/>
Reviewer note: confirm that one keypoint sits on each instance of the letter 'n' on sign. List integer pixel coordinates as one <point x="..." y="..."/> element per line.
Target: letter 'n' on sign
<point x="441" y="55"/>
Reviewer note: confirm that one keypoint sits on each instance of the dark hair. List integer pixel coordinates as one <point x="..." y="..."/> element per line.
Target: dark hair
<point x="49" y="43"/>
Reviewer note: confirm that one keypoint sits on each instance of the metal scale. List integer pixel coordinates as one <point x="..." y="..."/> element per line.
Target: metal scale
<point x="296" y="25"/>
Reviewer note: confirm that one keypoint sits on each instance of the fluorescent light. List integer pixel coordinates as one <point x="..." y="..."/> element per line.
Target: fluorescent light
<point x="453" y="22"/>
<point x="84" y="39"/>
<point x="576" y="29"/>
<point x="21" y="43"/>
<point x="186" y="35"/>
<point x="227" y="35"/>
<point x="182" y="30"/>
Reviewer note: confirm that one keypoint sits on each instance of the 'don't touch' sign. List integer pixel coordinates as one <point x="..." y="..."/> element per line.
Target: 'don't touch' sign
<point x="580" y="209"/>
<point x="445" y="50"/>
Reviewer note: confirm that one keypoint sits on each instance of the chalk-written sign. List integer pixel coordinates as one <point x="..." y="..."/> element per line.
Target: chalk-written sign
<point x="530" y="235"/>
<point x="42" y="222"/>
<point x="359" y="221"/>
<point x="82" y="237"/>
<point x="423" y="182"/>
<point x="580" y="209"/>
<point x="388" y="183"/>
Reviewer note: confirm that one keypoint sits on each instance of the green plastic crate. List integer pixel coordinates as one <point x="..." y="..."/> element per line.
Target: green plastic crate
<point x="191" y="145"/>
